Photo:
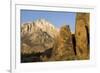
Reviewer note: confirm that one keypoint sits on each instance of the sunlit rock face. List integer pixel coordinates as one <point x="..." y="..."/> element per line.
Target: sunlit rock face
<point x="38" y="36"/>
<point x="64" y="47"/>
<point x="82" y="35"/>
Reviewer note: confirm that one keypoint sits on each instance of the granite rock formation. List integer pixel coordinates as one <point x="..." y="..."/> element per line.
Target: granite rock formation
<point x="82" y="35"/>
<point x="64" y="47"/>
<point x="37" y="36"/>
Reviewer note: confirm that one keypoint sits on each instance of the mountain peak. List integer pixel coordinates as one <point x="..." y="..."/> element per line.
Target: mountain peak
<point x="39" y="32"/>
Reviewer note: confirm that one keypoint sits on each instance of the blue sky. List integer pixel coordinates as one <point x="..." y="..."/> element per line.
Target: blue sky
<point x="56" y="18"/>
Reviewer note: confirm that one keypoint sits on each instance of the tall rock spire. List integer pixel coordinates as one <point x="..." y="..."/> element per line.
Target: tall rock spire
<point x="82" y="35"/>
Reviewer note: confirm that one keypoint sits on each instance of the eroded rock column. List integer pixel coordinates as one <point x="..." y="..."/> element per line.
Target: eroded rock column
<point x="82" y="35"/>
<point x="64" y="46"/>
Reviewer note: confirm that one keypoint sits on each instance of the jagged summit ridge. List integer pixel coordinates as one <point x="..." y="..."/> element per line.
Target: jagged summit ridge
<point x="40" y="24"/>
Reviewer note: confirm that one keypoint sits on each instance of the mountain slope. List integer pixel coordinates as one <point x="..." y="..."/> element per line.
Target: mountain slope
<point x="38" y="35"/>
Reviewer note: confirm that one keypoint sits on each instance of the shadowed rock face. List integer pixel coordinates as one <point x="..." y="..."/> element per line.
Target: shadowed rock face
<point x="82" y="35"/>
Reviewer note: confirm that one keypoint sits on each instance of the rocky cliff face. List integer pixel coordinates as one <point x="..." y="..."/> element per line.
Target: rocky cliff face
<point x="64" y="47"/>
<point x="82" y="35"/>
<point x="37" y="36"/>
